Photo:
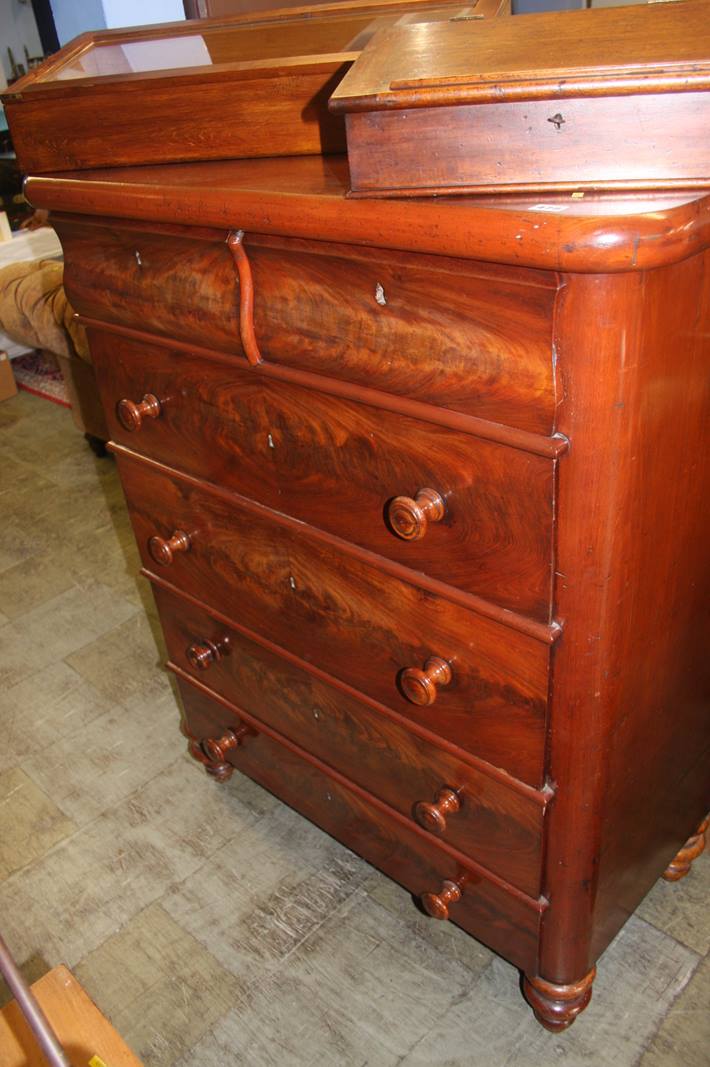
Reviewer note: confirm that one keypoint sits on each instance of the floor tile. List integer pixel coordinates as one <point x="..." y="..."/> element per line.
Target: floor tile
<point x="88" y="887"/>
<point x="30" y="824"/>
<point x="684" y="1036"/>
<point x="58" y="627"/>
<point x="30" y="583"/>
<point x="681" y="908"/>
<point x="114" y="755"/>
<point x="50" y="705"/>
<point x="158" y="986"/>
<point x="638" y="978"/>
<point x="125" y="664"/>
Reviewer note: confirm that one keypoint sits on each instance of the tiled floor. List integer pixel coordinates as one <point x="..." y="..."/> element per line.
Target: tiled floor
<point x="213" y="925"/>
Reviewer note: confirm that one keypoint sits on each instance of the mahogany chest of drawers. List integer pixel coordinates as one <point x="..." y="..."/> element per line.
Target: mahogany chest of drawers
<point x="422" y="490"/>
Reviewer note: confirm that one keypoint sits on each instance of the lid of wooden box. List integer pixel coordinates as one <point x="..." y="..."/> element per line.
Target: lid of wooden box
<point x="658" y="47"/>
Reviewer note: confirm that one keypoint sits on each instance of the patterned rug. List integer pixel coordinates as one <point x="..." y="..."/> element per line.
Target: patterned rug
<point x="37" y="375"/>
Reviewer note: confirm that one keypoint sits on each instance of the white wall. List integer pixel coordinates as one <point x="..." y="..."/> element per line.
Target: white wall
<point x="72" y="17"/>
<point x="17" y="28"/>
<point x="140" y="12"/>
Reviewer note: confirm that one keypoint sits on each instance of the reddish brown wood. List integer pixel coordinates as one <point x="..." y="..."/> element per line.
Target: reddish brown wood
<point x="432" y="816"/>
<point x="410" y="518"/>
<point x="421" y="687"/>
<point x="557" y="1006"/>
<point x="330" y="719"/>
<point x="162" y="549"/>
<point x="261" y="82"/>
<point x="683" y="861"/>
<point x="501" y="917"/>
<point x="437" y="904"/>
<point x="316" y="308"/>
<point x="201" y="654"/>
<point x="131" y="415"/>
<point x="589" y="234"/>
<point x="235" y="244"/>
<point x="358" y="623"/>
<point x="337" y="467"/>
<point x="560" y="101"/>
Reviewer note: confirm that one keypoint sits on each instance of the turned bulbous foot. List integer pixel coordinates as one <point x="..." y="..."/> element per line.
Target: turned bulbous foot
<point x="680" y="866"/>
<point x="557" y="1006"/>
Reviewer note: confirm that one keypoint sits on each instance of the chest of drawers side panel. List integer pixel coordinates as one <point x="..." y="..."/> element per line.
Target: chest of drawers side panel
<point x="629" y="696"/>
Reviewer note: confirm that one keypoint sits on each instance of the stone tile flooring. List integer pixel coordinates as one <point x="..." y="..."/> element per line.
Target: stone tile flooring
<point x="212" y="924"/>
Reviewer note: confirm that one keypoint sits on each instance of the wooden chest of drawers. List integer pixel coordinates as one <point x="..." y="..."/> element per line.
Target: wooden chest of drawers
<point x="422" y="491"/>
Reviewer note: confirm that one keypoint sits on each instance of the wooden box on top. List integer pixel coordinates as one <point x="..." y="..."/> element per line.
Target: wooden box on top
<point x="255" y="84"/>
<point x="613" y="98"/>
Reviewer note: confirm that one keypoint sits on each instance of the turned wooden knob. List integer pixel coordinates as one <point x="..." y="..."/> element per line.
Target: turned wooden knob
<point x="409" y="517"/>
<point x="216" y="749"/>
<point x="163" y="551"/>
<point x="202" y="653"/>
<point x="131" y="415"/>
<point x="433" y="816"/>
<point x="437" y="904"/>
<point x="420" y="686"/>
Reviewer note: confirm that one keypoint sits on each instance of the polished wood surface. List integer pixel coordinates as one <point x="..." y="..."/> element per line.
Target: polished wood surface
<point x="681" y="864"/>
<point x="330" y="309"/>
<point x="255" y="84"/>
<point x="302" y="702"/>
<point x="501" y="917"/>
<point x="342" y="467"/>
<point x="553" y="101"/>
<point x="499" y="821"/>
<point x="333" y="609"/>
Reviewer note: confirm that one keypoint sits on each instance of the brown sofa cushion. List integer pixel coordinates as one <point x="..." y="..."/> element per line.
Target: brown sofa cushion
<point x="34" y="310"/>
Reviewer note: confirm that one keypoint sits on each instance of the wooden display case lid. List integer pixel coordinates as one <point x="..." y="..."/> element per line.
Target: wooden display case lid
<point x="651" y="48"/>
<point x="255" y="84"/>
<point x="611" y="99"/>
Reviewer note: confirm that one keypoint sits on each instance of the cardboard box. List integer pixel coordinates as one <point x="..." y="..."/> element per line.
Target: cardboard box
<point x="7" y="378"/>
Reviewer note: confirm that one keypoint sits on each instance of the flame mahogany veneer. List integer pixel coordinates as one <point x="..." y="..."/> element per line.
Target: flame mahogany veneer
<point x="434" y="571"/>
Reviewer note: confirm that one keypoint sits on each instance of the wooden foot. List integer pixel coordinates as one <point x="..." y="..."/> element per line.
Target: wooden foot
<point x="557" y="1006"/>
<point x="680" y="866"/>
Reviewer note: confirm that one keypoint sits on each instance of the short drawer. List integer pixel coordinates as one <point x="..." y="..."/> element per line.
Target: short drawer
<point x="497" y="823"/>
<point x="467" y="336"/>
<point x="503" y="918"/>
<point x="377" y="633"/>
<point x="486" y="522"/>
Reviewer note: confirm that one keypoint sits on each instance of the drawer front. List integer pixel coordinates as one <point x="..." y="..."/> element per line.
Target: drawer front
<point x="341" y="613"/>
<point x="498" y="825"/>
<point x="461" y="335"/>
<point x="338" y="465"/>
<point x="505" y="920"/>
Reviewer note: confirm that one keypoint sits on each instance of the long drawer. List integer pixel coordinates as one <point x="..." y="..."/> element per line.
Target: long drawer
<point x="345" y="467"/>
<point x="498" y="823"/>
<point x="462" y="335"/>
<point x="463" y="676"/>
<point x="505" y="919"/>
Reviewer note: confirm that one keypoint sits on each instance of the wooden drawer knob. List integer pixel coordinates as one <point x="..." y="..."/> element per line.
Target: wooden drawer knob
<point x="131" y="415"/>
<point x="420" y="686"/>
<point x="409" y="517"/>
<point x="203" y="653"/>
<point x="433" y="816"/>
<point x="216" y="749"/>
<point x="163" y="551"/>
<point x="437" y="904"/>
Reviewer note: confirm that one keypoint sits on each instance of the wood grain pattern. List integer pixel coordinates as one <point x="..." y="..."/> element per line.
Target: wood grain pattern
<point x="389" y="323"/>
<point x="629" y="722"/>
<point x="307" y="196"/>
<point x="506" y="746"/>
<point x="499" y="823"/>
<point x="262" y="84"/>
<point x="501" y="918"/>
<point x="339" y="467"/>
<point x="338" y="612"/>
